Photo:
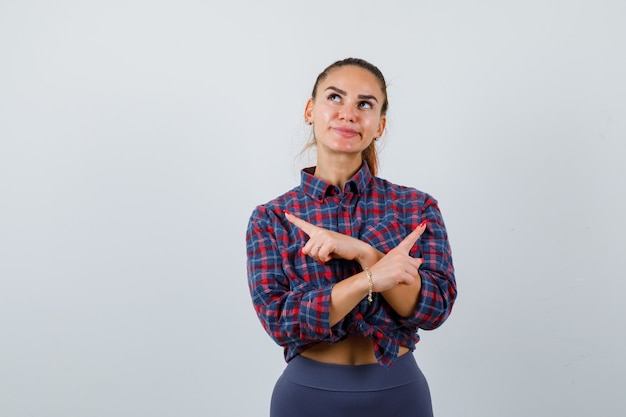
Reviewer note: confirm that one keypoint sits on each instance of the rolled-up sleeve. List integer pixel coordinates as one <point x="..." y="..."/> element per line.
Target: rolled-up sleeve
<point x="438" y="291"/>
<point x="291" y="311"/>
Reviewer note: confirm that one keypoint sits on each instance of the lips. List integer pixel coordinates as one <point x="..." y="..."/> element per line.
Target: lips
<point x="345" y="131"/>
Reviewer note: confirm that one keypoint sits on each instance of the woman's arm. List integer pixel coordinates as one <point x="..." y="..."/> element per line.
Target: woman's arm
<point x="324" y="245"/>
<point x="392" y="273"/>
<point x="420" y="290"/>
<point x="293" y="312"/>
<point x="430" y="304"/>
<point x="346" y="295"/>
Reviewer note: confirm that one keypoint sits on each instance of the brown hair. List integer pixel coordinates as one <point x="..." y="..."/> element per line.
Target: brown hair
<point x="369" y="155"/>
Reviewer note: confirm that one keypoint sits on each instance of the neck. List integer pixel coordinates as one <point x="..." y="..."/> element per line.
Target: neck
<point x="339" y="170"/>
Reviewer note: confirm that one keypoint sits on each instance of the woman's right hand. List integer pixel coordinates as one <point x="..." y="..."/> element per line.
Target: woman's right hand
<point x="324" y="245"/>
<point x="397" y="266"/>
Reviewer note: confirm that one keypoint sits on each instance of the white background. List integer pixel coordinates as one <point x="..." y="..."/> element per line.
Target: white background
<point x="136" y="137"/>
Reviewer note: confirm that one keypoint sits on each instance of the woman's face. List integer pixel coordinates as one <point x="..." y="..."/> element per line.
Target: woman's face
<point x="346" y="112"/>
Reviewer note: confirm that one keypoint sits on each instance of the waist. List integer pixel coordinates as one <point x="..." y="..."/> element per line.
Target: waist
<point x="354" y="350"/>
<point x="369" y="377"/>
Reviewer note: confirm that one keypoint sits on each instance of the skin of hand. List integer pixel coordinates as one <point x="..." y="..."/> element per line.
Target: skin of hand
<point x="396" y="274"/>
<point x="397" y="266"/>
<point x="404" y="296"/>
<point x="324" y="245"/>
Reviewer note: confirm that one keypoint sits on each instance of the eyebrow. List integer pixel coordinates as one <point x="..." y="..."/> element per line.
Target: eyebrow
<point x="360" y="96"/>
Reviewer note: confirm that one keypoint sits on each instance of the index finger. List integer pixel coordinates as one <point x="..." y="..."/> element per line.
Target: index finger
<point x="408" y="242"/>
<point x="303" y="225"/>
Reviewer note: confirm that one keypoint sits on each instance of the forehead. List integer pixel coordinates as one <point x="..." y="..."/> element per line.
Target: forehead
<point x="353" y="80"/>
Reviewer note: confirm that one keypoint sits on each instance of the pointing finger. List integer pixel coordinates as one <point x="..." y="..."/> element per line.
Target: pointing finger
<point x="305" y="226"/>
<point x="408" y="242"/>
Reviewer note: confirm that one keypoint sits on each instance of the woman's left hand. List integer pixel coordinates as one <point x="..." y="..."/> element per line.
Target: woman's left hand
<point x="324" y="245"/>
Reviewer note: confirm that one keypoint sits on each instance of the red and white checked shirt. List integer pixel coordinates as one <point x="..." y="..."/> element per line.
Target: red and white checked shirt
<point x="291" y="291"/>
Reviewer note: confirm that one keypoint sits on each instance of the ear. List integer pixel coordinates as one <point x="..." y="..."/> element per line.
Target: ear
<point x="381" y="126"/>
<point x="308" y="110"/>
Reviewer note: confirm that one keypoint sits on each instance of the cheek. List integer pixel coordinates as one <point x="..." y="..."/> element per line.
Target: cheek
<point x="371" y="123"/>
<point x="327" y="113"/>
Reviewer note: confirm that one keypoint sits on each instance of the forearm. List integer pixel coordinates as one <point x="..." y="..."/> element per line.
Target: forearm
<point x="346" y="294"/>
<point x="349" y="292"/>
<point x="404" y="297"/>
<point x="368" y="255"/>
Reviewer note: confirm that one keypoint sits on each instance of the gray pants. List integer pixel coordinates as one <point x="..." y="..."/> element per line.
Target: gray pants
<point x="309" y="388"/>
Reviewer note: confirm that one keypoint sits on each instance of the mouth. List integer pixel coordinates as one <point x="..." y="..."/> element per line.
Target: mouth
<point x="345" y="132"/>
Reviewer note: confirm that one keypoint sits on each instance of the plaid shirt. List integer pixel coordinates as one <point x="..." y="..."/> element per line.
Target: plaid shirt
<point x="291" y="291"/>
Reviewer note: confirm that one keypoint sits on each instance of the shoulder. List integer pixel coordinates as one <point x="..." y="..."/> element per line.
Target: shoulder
<point x="275" y="208"/>
<point x="402" y="194"/>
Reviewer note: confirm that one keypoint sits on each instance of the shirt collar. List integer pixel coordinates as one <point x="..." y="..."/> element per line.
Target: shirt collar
<point x="318" y="188"/>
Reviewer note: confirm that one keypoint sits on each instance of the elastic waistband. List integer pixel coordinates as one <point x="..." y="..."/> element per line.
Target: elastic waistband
<point x="371" y="377"/>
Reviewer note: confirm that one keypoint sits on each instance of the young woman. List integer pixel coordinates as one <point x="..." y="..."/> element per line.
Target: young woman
<point x="345" y="268"/>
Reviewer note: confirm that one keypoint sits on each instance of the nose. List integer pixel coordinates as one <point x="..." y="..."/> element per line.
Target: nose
<point x="347" y="113"/>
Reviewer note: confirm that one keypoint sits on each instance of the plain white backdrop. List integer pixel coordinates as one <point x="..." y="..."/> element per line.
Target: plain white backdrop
<point x="137" y="136"/>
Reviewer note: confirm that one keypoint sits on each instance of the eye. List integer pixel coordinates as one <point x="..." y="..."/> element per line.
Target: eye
<point x="334" y="97"/>
<point x="365" y="105"/>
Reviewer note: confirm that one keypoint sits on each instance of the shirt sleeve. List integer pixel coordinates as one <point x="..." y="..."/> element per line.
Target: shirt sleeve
<point x="438" y="291"/>
<point x="292" y="314"/>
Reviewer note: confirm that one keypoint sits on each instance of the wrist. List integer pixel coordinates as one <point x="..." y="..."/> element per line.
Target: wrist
<point x="368" y="256"/>
<point x="370" y="284"/>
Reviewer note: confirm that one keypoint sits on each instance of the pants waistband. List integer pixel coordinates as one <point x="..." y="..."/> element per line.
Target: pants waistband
<point x="371" y="377"/>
